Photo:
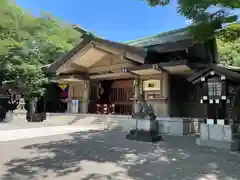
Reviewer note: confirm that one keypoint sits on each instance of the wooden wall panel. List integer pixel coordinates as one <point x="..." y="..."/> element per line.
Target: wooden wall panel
<point x="123" y="84"/>
<point x="76" y="91"/>
<point x="165" y="85"/>
<point x="158" y="97"/>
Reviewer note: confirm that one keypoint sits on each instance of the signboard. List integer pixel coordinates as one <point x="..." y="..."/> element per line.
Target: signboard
<point x="151" y="85"/>
<point x="65" y="89"/>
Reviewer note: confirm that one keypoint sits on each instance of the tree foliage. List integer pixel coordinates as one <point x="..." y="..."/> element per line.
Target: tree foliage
<point x="229" y="45"/>
<point x="207" y="15"/>
<point x="27" y="43"/>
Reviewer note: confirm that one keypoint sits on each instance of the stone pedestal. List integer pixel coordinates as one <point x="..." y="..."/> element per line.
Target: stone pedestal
<point x="39" y="117"/>
<point x="217" y="136"/>
<point x="143" y="131"/>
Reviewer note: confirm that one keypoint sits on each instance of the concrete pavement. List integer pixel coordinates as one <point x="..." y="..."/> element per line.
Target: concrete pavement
<point x="16" y="134"/>
<point x="107" y="155"/>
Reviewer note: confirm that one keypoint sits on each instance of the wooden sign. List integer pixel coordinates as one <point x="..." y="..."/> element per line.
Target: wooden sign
<point x="152" y="85"/>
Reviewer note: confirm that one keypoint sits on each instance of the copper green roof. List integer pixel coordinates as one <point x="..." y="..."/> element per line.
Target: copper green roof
<point x="162" y="38"/>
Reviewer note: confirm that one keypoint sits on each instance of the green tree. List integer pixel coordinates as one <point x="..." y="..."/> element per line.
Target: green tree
<point x="27" y="43"/>
<point x="207" y="15"/>
<point x="229" y="45"/>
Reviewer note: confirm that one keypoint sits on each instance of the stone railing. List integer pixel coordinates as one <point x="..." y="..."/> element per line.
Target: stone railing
<point x="179" y="126"/>
<point x="168" y="125"/>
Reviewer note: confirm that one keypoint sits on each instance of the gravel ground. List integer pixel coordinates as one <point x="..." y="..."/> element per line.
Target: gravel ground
<point x="107" y="155"/>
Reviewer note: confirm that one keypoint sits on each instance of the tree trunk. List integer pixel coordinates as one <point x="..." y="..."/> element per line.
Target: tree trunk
<point x="30" y="110"/>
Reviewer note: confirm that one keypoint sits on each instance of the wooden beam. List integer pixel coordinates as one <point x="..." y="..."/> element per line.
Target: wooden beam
<point x="114" y="67"/>
<point x="78" y="67"/>
<point x="109" y="76"/>
<point x="116" y="51"/>
<point x="79" y="53"/>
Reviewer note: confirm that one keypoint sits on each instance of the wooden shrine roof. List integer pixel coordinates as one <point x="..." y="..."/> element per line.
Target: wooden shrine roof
<point x="96" y="41"/>
<point x="137" y="52"/>
<point x="230" y="74"/>
<point x="161" y="38"/>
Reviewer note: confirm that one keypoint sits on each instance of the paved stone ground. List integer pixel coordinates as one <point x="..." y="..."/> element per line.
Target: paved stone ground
<point x="19" y="128"/>
<point x="16" y="134"/>
<point x="22" y="124"/>
<point x="107" y="155"/>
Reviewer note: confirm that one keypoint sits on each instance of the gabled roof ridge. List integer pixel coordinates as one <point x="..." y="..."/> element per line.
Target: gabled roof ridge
<point x="220" y="69"/>
<point x="162" y="34"/>
<point x="85" y="31"/>
<point x="86" y="39"/>
<point x="234" y="68"/>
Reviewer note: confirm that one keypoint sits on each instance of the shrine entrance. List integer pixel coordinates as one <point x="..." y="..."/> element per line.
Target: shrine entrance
<point x="115" y="97"/>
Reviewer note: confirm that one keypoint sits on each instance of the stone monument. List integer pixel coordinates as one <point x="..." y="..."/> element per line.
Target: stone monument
<point x="7" y="106"/>
<point x="149" y="133"/>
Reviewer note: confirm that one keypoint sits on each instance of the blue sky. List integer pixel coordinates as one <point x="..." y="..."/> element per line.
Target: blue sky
<point x="119" y="20"/>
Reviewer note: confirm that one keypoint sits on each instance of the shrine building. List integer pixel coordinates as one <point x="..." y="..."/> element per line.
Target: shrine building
<point x="178" y="77"/>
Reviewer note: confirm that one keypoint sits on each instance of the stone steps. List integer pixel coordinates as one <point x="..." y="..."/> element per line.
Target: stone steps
<point x="90" y="121"/>
<point x="79" y="121"/>
<point x="57" y="120"/>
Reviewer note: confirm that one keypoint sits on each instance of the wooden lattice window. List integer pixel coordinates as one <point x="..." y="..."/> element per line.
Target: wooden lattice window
<point x="214" y="88"/>
<point x="191" y="92"/>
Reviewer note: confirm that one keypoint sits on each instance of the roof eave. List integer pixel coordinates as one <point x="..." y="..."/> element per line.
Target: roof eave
<point x="63" y="59"/>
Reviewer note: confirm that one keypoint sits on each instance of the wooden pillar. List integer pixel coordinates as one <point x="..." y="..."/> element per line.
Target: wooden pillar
<point x="205" y="100"/>
<point x="70" y="97"/>
<point x="165" y="88"/>
<point x="223" y="113"/>
<point x="137" y="88"/>
<point x="85" y="97"/>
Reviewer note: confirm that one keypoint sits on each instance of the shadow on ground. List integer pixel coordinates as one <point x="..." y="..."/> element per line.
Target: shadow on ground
<point x="108" y="155"/>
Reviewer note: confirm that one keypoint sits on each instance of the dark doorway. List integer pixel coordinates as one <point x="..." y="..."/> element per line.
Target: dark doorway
<point x="212" y="111"/>
<point x="105" y="92"/>
<point x="117" y="94"/>
<point x="54" y="100"/>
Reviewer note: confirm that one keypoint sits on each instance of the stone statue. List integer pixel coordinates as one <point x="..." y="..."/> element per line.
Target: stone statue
<point x="153" y="133"/>
<point x="145" y="110"/>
